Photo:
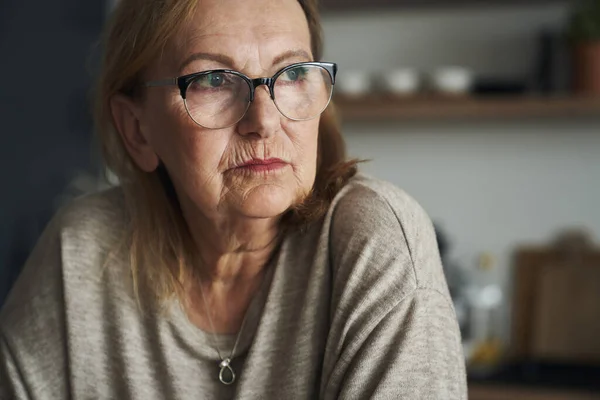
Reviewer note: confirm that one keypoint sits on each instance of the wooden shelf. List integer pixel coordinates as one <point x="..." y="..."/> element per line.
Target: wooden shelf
<point x="379" y="107"/>
<point x="345" y="5"/>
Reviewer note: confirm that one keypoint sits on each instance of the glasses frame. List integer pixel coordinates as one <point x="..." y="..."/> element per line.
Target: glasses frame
<point x="184" y="82"/>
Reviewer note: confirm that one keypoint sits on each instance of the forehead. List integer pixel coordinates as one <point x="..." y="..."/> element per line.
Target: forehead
<point x="241" y="29"/>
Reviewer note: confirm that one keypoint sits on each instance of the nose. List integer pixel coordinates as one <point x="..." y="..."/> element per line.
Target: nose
<point x="262" y="118"/>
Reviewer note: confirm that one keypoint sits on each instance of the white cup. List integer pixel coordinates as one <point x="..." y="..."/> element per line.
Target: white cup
<point x="353" y="83"/>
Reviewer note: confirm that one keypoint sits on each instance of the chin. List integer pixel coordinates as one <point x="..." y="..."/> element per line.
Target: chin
<point x="267" y="202"/>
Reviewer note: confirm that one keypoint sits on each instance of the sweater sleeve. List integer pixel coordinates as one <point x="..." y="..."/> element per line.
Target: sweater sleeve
<point x="11" y="383"/>
<point x="393" y="331"/>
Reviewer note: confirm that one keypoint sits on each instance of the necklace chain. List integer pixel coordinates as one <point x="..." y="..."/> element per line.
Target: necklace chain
<point x="225" y="363"/>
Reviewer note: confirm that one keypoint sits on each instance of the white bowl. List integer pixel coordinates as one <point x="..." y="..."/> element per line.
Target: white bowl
<point x="452" y="80"/>
<point x="403" y="81"/>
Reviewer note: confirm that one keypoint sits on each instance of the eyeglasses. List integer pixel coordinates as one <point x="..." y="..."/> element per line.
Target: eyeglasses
<point x="220" y="98"/>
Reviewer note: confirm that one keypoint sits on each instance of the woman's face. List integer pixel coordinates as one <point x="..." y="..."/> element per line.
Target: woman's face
<point x="256" y="38"/>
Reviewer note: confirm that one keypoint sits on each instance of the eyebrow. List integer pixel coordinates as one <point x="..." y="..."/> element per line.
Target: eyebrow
<point x="220" y="58"/>
<point x="225" y="60"/>
<point x="292" y="54"/>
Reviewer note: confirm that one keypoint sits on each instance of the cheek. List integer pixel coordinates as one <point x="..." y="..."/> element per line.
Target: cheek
<point x="164" y="122"/>
<point x="305" y="140"/>
<point x="186" y="148"/>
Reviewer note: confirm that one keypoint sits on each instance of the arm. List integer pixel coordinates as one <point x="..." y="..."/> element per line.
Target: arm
<point x="412" y="353"/>
<point x="393" y="333"/>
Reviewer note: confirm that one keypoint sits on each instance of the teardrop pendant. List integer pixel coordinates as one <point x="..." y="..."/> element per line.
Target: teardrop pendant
<point x="226" y="375"/>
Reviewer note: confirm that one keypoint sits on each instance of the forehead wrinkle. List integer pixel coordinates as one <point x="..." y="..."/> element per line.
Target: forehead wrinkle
<point x="254" y="58"/>
<point x="251" y="47"/>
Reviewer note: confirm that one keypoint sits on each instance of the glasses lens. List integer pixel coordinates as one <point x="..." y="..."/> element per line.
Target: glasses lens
<point x="217" y="100"/>
<point x="303" y="92"/>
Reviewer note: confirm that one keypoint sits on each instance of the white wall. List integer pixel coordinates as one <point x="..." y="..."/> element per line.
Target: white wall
<point x="490" y="184"/>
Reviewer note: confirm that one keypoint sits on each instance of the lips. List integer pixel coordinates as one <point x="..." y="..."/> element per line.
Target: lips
<point x="267" y="161"/>
<point x="262" y="165"/>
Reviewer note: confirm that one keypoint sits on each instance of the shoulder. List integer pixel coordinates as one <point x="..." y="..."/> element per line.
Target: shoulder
<point x="57" y="290"/>
<point x="388" y="292"/>
<point x="71" y="249"/>
<point x="90" y="226"/>
<point x="376" y="219"/>
<point x="94" y="214"/>
<point x="370" y="202"/>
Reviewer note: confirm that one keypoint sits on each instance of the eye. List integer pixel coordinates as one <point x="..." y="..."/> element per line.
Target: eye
<point x="295" y="74"/>
<point x="214" y="80"/>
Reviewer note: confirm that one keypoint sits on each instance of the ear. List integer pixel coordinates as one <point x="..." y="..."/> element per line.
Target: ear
<point x="126" y="116"/>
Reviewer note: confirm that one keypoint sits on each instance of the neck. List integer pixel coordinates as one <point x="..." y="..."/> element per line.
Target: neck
<point x="232" y="262"/>
<point x="232" y="250"/>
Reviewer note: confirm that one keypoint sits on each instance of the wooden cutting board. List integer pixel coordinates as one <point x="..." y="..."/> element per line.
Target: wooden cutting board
<point x="556" y="305"/>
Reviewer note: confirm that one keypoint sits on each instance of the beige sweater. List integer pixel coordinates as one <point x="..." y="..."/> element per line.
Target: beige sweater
<point x="355" y="308"/>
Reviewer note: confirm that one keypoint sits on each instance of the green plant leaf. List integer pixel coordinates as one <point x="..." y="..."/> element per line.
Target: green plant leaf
<point x="585" y="22"/>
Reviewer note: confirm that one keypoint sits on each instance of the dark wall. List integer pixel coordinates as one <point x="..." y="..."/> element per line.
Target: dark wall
<point x="46" y="69"/>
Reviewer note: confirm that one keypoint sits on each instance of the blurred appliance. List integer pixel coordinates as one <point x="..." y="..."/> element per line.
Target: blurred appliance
<point x="553" y="74"/>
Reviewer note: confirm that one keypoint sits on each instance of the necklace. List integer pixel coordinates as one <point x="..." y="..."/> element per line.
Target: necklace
<point x="226" y="372"/>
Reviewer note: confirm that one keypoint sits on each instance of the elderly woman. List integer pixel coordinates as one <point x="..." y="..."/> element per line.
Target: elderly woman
<point x="241" y="256"/>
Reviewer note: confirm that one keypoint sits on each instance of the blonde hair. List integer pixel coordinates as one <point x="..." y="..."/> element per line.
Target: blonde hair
<point x="158" y="242"/>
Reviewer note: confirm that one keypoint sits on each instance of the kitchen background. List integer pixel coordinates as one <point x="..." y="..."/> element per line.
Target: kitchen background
<point x="491" y="183"/>
<point x="502" y="176"/>
<point x="492" y="142"/>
